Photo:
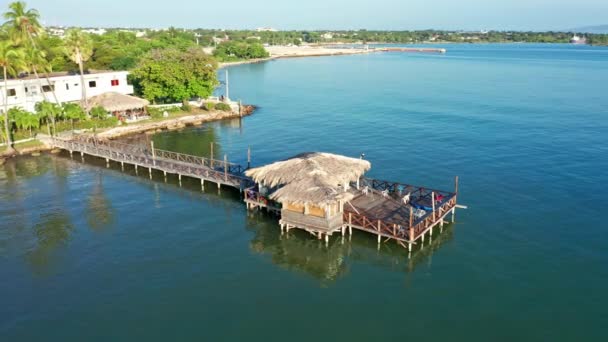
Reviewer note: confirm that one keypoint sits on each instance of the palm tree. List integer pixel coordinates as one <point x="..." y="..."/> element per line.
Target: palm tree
<point x="79" y="48"/>
<point x="48" y="111"/>
<point x="23" y="24"/>
<point x="11" y="61"/>
<point x="36" y="60"/>
<point x="73" y="112"/>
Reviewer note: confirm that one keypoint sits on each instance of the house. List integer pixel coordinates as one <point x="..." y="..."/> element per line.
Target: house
<point x="327" y="35"/>
<point x="266" y="29"/>
<point x="25" y="92"/>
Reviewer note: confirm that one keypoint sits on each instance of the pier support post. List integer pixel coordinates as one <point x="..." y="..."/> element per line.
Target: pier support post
<point x="453" y="214"/>
<point x="319" y="236"/>
<point x="136" y="172"/>
<point x="350" y="224"/>
<point x="150" y="172"/>
<point x="71" y="154"/>
<point x="409" y="247"/>
<point x="326" y="240"/>
<point x="219" y="188"/>
<point x="248" y="157"/>
<point x="179" y="177"/>
<point x="202" y="184"/>
<point x="107" y="162"/>
<point x="122" y="166"/>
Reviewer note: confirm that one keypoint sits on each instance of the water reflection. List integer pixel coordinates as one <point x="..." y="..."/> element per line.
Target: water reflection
<point x="44" y="225"/>
<point x="100" y="213"/>
<point x="52" y="232"/>
<point x="298" y="251"/>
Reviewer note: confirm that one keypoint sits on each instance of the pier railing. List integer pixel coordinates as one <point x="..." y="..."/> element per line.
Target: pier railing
<point x="167" y="161"/>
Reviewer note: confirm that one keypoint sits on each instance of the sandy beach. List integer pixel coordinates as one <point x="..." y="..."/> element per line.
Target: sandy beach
<point x="277" y="52"/>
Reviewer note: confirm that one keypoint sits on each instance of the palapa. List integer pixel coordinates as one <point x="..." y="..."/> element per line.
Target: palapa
<point x="116" y="102"/>
<point x="315" y="177"/>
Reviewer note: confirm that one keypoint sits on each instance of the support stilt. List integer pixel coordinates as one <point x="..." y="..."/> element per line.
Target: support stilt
<point x="203" y="186"/>
<point x="150" y="172"/>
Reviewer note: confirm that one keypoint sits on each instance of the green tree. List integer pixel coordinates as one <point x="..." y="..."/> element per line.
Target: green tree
<point x="73" y="112"/>
<point x="24" y="120"/>
<point x="48" y="112"/>
<point x="23" y="24"/>
<point x="11" y="61"/>
<point x="79" y="48"/>
<point x="99" y="112"/>
<point x="171" y="75"/>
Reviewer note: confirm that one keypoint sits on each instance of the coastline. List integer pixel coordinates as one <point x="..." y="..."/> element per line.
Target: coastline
<point x="280" y="52"/>
<point x="135" y="129"/>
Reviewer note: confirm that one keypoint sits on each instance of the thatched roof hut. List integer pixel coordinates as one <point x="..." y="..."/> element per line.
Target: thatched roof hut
<point x="313" y="177"/>
<point x="116" y="102"/>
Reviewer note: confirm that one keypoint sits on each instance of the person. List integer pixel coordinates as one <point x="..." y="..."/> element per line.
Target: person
<point x="439" y="198"/>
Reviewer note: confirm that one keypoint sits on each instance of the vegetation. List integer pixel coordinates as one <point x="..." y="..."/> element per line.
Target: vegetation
<point x="171" y="75"/>
<point x="223" y="107"/>
<point x="234" y="51"/>
<point x="79" y="48"/>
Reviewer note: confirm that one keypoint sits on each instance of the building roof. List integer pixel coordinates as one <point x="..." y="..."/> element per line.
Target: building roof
<point x="116" y="102"/>
<point x="315" y="177"/>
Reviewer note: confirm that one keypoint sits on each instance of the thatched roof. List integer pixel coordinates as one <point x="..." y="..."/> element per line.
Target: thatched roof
<point x="310" y="177"/>
<point x="117" y="102"/>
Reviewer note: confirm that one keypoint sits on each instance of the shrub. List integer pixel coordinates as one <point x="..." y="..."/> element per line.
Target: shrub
<point x="99" y="112"/>
<point x="209" y="106"/>
<point x="223" y="107"/>
<point x="186" y="107"/>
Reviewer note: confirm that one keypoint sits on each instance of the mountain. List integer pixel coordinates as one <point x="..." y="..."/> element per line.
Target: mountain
<point x="591" y="29"/>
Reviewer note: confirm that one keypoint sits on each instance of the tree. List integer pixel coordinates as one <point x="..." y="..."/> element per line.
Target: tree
<point x="23" y="24"/>
<point x="11" y="61"/>
<point x="171" y="75"/>
<point x="73" y="112"/>
<point x="79" y="48"/>
<point x="48" y="112"/>
<point x="99" y="112"/>
<point x="24" y="119"/>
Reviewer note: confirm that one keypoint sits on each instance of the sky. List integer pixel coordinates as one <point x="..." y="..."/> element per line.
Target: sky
<point x="536" y="15"/>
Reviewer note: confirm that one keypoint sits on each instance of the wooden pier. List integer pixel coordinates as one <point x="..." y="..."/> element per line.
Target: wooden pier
<point x="390" y="210"/>
<point x="220" y="172"/>
<point x="412" y="49"/>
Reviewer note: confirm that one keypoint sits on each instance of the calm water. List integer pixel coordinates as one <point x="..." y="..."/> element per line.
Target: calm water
<point x="96" y="254"/>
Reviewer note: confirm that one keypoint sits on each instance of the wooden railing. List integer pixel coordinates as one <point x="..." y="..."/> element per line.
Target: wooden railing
<point x="171" y="162"/>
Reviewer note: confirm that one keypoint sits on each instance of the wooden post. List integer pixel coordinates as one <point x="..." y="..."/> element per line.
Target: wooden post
<point x="150" y="171"/>
<point x="225" y="168"/>
<point x="153" y="153"/>
<point x="179" y="177"/>
<point x="248" y="157"/>
<point x="350" y="224"/>
<point x="211" y="161"/>
<point x="379" y="236"/>
<point x="433" y="200"/>
<point x="202" y="184"/>
<point x="411" y="216"/>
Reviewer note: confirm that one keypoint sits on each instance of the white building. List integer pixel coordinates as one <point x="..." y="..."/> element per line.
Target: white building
<point x="327" y="35"/>
<point x="266" y="29"/>
<point x="25" y="92"/>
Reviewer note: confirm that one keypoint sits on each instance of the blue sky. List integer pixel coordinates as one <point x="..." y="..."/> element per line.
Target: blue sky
<point x="327" y="14"/>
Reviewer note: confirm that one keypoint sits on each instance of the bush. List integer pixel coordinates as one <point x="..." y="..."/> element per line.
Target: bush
<point x="209" y="106"/>
<point x="223" y="107"/>
<point x="186" y="107"/>
<point x="99" y="112"/>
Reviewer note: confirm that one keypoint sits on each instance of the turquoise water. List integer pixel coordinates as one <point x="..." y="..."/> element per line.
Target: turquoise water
<point x="96" y="254"/>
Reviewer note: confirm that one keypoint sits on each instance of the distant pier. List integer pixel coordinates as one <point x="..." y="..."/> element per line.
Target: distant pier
<point x="412" y="49"/>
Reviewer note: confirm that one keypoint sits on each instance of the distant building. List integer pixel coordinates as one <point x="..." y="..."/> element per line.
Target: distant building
<point x="25" y="92"/>
<point x="327" y="35"/>
<point x="266" y="29"/>
<point x="97" y="31"/>
<point x="56" y="31"/>
<point x="218" y="40"/>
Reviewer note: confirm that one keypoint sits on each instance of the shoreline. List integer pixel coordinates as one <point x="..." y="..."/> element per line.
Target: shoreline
<point x="136" y="129"/>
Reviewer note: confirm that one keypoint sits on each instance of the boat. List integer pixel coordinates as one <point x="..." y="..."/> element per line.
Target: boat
<point x="578" y="40"/>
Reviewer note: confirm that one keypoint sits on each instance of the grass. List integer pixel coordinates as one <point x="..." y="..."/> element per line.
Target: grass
<point x="23" y="145"/>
